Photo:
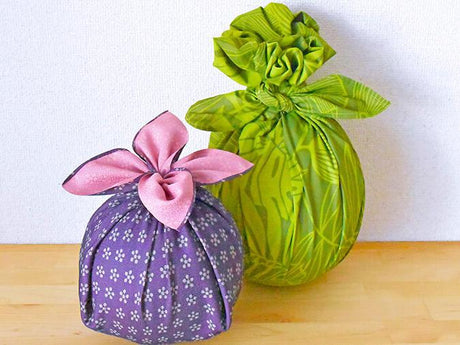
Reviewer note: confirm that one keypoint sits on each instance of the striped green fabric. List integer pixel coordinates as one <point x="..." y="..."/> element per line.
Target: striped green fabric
<point x="301" y="206"/>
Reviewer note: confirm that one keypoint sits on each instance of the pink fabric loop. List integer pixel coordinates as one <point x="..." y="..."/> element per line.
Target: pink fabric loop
<point x="166" y="186"/>
<point x="168" y="198"/>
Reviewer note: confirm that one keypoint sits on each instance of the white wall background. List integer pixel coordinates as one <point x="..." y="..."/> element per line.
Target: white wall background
<point x="79" y="78"/>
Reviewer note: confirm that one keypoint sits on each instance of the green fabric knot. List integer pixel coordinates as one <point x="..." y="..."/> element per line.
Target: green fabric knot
<point x="274" y="99"/>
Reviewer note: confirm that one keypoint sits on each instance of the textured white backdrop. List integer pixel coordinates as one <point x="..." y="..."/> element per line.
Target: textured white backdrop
<point x="78" y="78"/>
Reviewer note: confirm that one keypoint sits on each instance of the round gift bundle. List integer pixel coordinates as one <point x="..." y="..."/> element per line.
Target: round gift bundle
<point x="161" y="260"/>
<point x="300" y="209"/>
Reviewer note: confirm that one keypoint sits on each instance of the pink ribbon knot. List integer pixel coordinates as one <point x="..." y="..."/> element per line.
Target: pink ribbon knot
<point x="166" y="185"/>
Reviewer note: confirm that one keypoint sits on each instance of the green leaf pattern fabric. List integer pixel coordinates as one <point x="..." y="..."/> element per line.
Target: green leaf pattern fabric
<point x="300" y="208"/>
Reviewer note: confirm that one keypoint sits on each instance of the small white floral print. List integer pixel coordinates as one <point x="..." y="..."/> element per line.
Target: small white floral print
<point x="223" y="256"/>
<point x="178" y="323"/>
<point x="135" y="316"/>
<point x="162" y="328"/>
<point x="188" y="281"/>
<point x="206" y="292"/>
<point x="114" y="203"/>
<point x="232" y="252"/>
<point x="142" y="277"/>
<point x="135" y="256"/>
<point x="191" y="300"/>
<point x="114" y="235"/>
<point x="162" y="311"/>
<point x="176" y="307"/>
<point x="142" y="236"/>
<point x="100" y="271"/>
<point x="174" y="290"/>
<point x="185" y="261"/>
<point x="84" y="270"/>
<point x="165" y="271"/>
<point x="117" y="324"/>
<point x="215" y="239"/>
<point x="109" y="293"/>
<point x="182" y="241"/>
<point x="102" y="233"/>
<point x="119" y="255"/>
<point x="201" y="255"/>
<point x="96" y="288"/>
<point x="137" y="298"/>
<point x="195" y="327"/>
<point x="136" y="218"/>
<point x="163" y="339"/>
<point x="132" y="330"/>
<point x="106" y="253"/>
<point x="133" y="204"/>
<point x="233" y="231"/>
<point x="211" y="325"/>
<point x="193" y="315"/>
<point x="84" y="288"/>
<point x="167" y="247"/>
<point x="129" y="277"/>
<point x="209" y="309"/>
<point x="149" y="256"/>
<point x="124" y="296"/>
<point x="148" y="315"/>
<point x="213" y="261"/>
<point x="104" y="308"/>
<point x="204" y="274"/>
<point x="208" y="198"/>
<point x="230" y="274"/>
<point x="100" y="323"/>
<point x="148" y="295"/>
<point x="147" y="331"/>
<point x="125" y="218"/>
<point x="120" y="314"/>
<point x="223" y="234"/>
<point x="207" y="220"/>
<point x="178" y="335"/>
<point x="114" y="275"/>
<point x="114" y="332"/>
<point x="128" y="235"/>
<point x="116" y="218"/>
<point x="238" y="268"/>
<point x="163" y="293"/>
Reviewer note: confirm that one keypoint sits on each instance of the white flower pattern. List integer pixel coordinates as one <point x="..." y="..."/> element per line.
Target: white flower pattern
<point x="175" y="292"/>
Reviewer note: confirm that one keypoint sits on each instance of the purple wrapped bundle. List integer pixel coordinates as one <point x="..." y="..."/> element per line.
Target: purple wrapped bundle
<point x="154" y="274"/>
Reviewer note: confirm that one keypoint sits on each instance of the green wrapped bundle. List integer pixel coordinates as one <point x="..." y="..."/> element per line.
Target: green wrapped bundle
<point x="300" y="208"/>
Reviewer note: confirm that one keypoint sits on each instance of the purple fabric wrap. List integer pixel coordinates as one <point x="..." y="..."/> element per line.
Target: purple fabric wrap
<point x="150" y="284"/>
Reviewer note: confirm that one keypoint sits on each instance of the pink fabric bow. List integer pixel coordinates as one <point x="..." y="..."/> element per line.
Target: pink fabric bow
<point x="166" y="185"/>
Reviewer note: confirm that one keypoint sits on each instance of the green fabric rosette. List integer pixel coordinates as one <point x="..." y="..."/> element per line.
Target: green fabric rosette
<point x="300" y="208"/>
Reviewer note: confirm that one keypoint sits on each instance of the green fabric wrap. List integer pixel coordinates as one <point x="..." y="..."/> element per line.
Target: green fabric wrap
<point x="301" y="206"/>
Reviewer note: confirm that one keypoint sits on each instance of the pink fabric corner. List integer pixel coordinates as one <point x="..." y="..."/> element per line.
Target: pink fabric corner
<point x="105" y="171"/>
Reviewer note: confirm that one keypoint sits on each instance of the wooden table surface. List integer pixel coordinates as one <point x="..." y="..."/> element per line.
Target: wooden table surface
<point x="382" y="293"/>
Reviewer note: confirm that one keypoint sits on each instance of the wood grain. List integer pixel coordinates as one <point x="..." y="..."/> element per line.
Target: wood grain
<point x="382" y="293"/>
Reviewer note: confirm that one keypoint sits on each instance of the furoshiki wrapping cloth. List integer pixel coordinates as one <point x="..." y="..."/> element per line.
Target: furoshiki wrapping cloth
<point x="300" y="208"/>
<point x="161" y="260"/>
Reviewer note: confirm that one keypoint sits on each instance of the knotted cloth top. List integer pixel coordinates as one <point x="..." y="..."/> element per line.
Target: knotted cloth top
<point x="272" y="52"/>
